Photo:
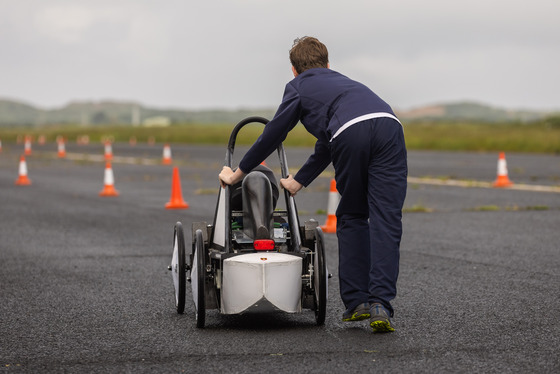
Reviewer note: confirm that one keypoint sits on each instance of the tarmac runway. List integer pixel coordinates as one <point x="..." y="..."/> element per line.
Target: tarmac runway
<point x="85" y="285"/>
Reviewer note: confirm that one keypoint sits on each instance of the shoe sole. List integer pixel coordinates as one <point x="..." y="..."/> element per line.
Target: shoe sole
<point x="356" y="317"/>
<point x="381" y="326"/>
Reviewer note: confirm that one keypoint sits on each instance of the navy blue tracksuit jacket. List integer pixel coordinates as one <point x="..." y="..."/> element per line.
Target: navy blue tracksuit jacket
<point x="323" y="100"/>
<point x="359" y="133"/>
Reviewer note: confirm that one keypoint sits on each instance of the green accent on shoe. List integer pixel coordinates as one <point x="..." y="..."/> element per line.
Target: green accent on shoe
<point x="381" y="326"/>
<point x="359" y="313"/>
<point x="356" y="317"/>
<point x="380" y="320"/>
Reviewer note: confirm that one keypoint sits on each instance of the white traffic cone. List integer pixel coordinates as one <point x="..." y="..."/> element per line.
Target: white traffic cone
<point x="27" y="146"/>
<point x="502" y="179"/>
<point x="166" y="160"/>
<point x="61" y="149"/>
<point x="108" y="151"/>
<point x="23" y="179"/>
<point x="109" y="182"/>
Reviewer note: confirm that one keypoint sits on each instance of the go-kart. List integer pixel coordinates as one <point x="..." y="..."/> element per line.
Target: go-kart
<point x="254" y="257"/>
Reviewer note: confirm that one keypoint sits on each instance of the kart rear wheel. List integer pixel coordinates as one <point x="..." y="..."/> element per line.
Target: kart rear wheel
<point x="178" y="267"/>
<point x="199" y="279"/>
<point x="320" y="278"/>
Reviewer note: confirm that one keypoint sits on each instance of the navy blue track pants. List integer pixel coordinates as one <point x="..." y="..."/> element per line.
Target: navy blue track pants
<point x="370" y="165"/>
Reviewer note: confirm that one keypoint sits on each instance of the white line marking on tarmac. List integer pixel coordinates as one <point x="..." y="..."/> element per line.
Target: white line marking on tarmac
<point x="467" y="184"/>
<point x="117" y="159"/>
<point x="429" y="181"/>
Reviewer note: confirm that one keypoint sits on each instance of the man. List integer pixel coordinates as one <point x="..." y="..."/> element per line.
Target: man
<point x="359" y="133"/>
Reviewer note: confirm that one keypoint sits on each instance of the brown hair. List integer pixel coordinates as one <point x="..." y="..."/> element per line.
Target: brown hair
<point x="307" y="53"/>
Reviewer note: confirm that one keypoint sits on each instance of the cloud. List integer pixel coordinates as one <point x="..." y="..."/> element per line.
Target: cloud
<point x="235" y="52"/>
<point x="67" y="24"/>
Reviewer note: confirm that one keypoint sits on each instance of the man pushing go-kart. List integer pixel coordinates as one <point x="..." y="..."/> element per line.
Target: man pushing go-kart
<point x="359" y="133"/>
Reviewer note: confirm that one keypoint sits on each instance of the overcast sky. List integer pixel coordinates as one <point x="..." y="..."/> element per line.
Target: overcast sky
<point x="196" y="54"/>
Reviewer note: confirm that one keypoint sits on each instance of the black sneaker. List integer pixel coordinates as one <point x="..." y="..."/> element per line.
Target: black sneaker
<point x="359" y="313"/>
<point x="379" y="319"/>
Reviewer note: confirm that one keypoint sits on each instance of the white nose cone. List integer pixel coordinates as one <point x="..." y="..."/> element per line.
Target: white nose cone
<point x="262" y="282"/>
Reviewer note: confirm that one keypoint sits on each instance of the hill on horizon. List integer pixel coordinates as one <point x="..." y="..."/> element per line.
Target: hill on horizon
<point x="85" y="113"/>
<point x="471" y="111"/>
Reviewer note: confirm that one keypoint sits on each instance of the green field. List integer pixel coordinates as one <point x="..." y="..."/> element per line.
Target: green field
<point x="539" y="137"/>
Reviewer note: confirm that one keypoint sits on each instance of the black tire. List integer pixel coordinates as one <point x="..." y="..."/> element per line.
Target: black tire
<point x="178" y="267"/>
<point x="320" y="278"/>
<point x="200" y="298"/>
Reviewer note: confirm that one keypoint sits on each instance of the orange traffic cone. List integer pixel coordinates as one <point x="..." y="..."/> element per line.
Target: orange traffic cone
<point x="61" y="149"/>
<point x="109" y="182"/>
<point x="23" y="179"/>
<point x="27" y="146"/>
<point x="132" y="141"/>
<point x="0" y="145"/>
<point x="166" y="160"/>
<point x="108" y="151"/>
<point x="502" y="180"/>
<point x="176" y="201"/>
<point x="334" y="198"/>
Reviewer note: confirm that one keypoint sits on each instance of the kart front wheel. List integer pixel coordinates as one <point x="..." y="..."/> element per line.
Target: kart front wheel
<point x="320" y="278"/>
<point x="198" y="275"/>
<point x="178" y="267"/>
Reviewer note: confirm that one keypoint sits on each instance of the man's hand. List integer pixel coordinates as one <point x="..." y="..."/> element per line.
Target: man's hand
<point x="228" y="176"/>
<point x="291" y="185"/>
<point x="225" y="176"/>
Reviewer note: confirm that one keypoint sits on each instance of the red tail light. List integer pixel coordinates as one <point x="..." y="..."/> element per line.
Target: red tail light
<point x="263" y="244"/>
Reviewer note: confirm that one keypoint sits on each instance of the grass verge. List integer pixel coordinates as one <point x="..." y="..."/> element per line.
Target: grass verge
<point x="539" y="137"/>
